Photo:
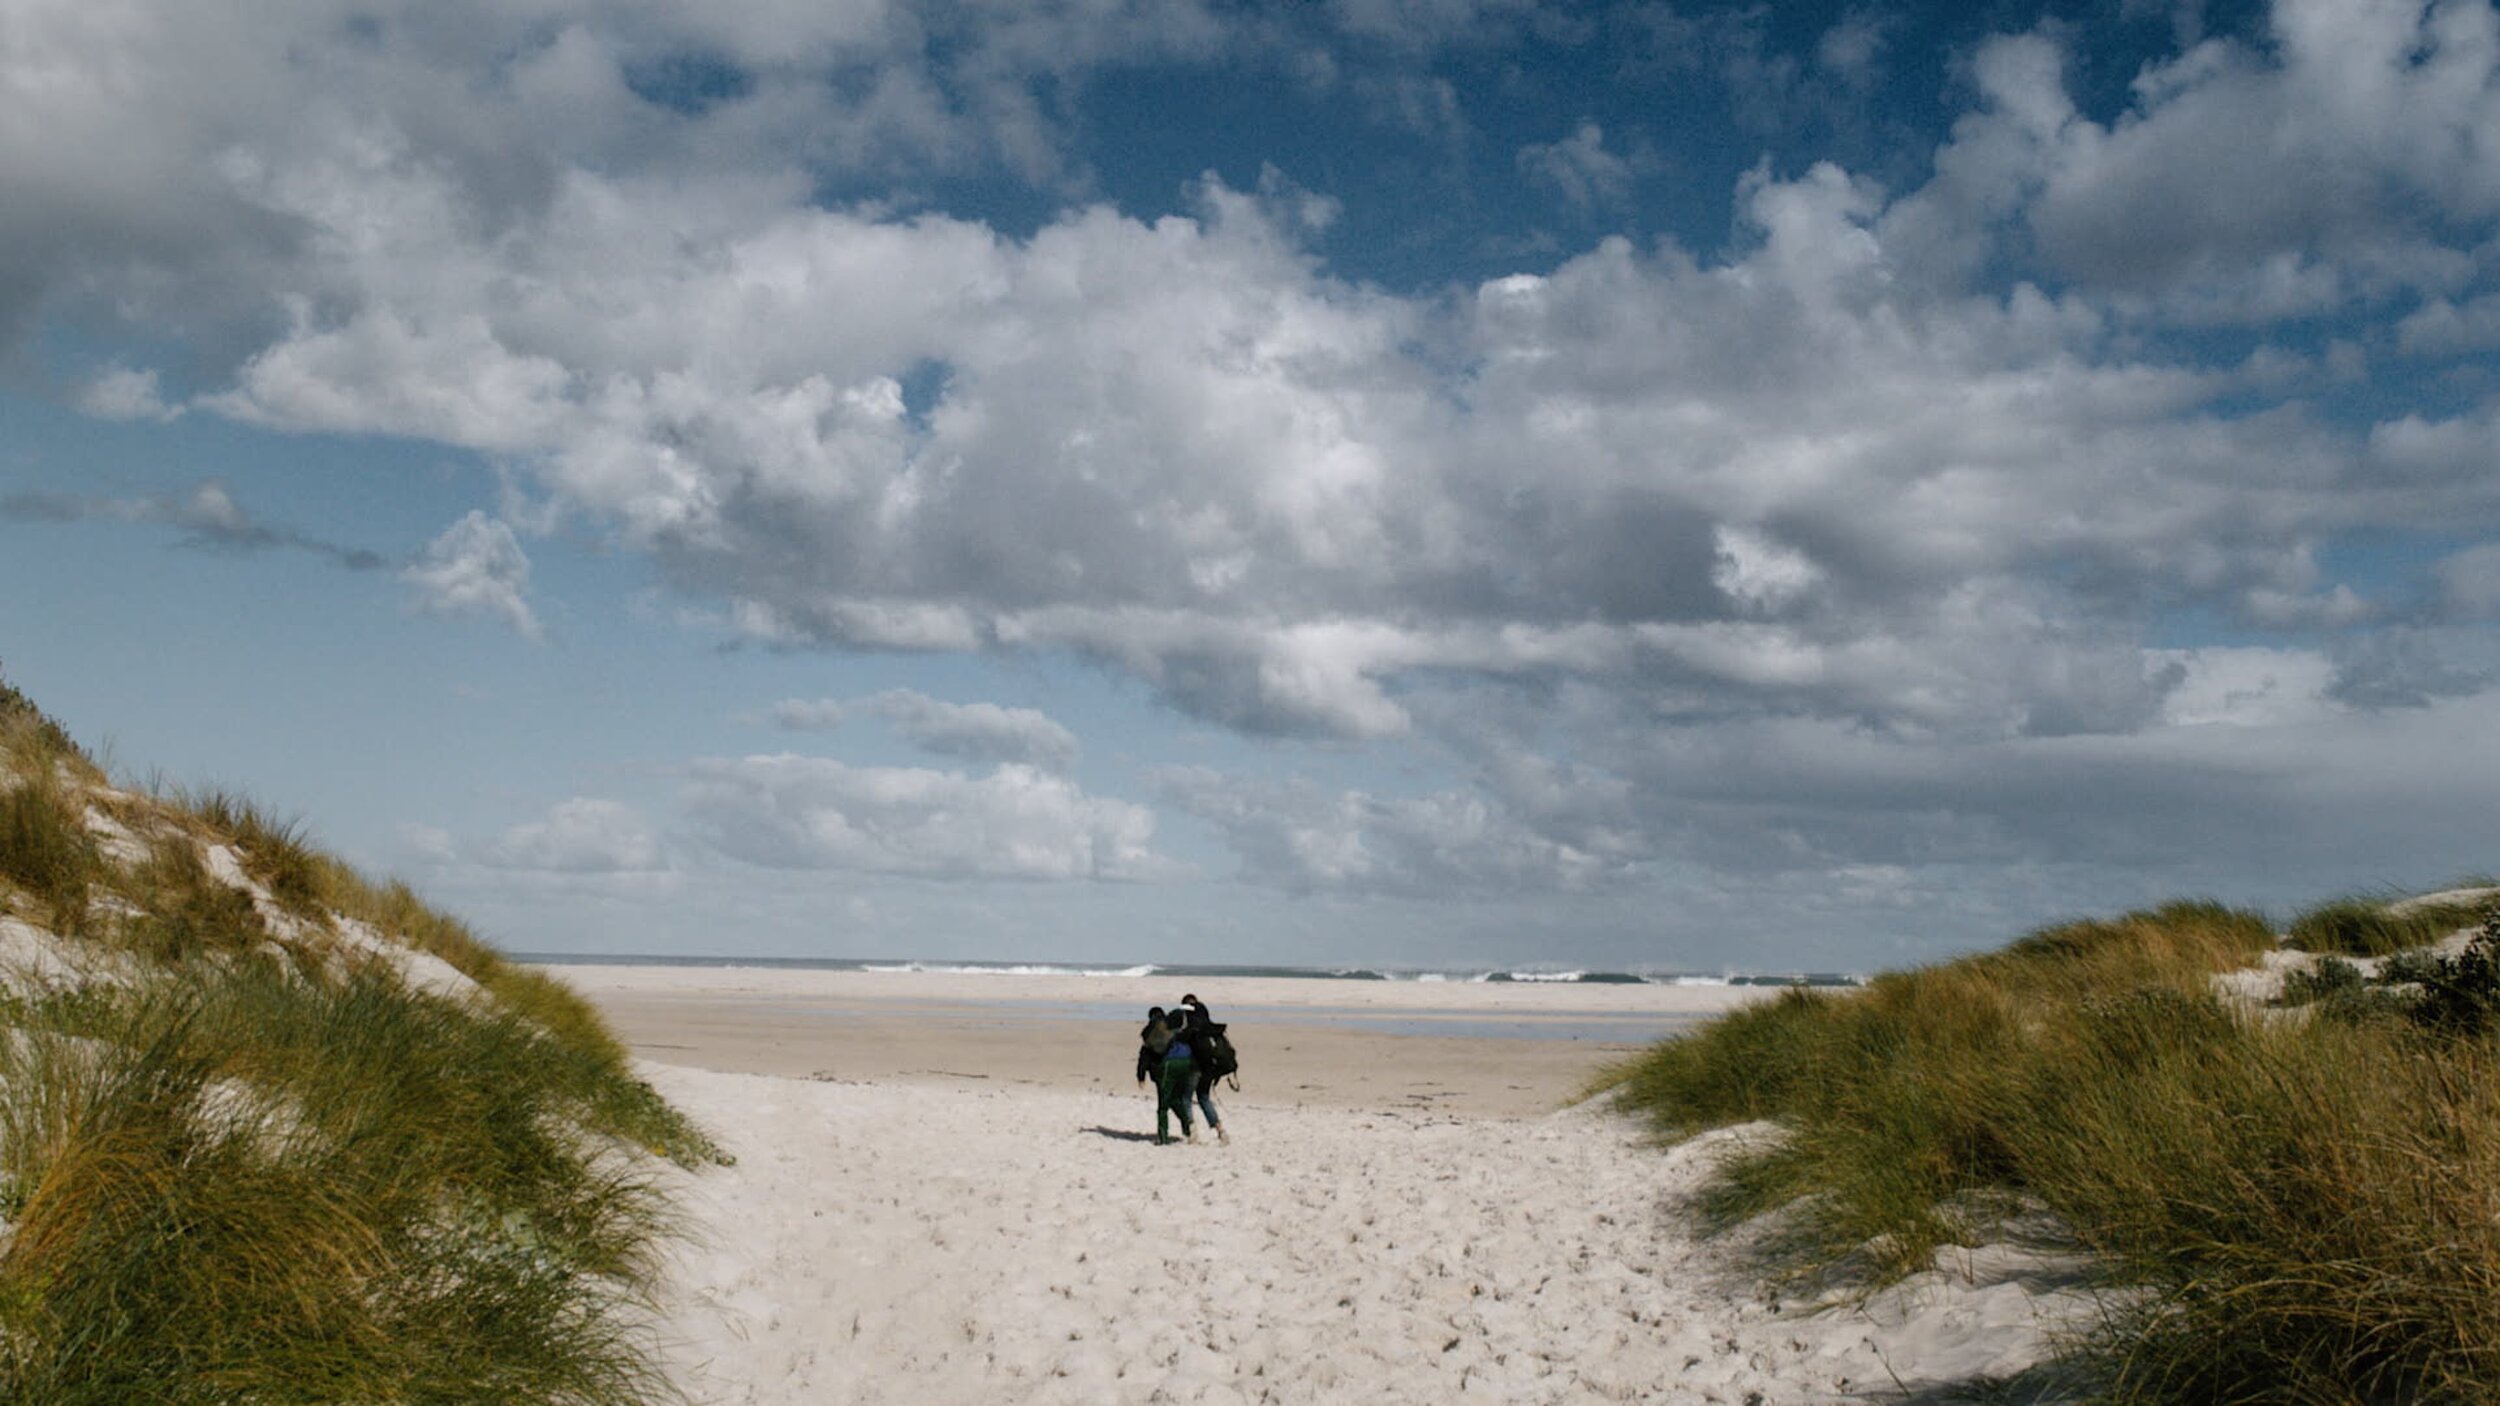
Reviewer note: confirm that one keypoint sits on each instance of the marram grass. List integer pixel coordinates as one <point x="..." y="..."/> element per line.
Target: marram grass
<point x="271" y="1188"/>
<point x="252" y="1164"/>
<point x="2298" y="1209"/>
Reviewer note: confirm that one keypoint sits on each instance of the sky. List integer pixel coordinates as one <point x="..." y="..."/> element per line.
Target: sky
<point x="1376" y="482"/>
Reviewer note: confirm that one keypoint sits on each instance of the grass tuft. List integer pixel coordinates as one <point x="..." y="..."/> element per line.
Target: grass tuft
<point x="2300" y="1209"/>
<point x="185" y="912"/>
<point x="2356" y="926"/>
<point x="247" y="1171"/>
<point x="267" y="1187"/>
<point x="278" y="854"/>
<point x="45" y="849"/>
<point x="34" y="742"/>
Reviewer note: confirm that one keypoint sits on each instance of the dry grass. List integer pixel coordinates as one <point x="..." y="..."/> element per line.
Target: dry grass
<point x="2305" y="1207"/>
<point x="2362" y="926"/>
<point x="278" y="854"/>
<point x="184" y="911"/>
<point x="45" y="850"/>
<point x="254" y="1186"/>
<point x="245" y="1171"/>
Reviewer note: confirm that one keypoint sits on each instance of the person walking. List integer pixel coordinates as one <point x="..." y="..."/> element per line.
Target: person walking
<point x="1200" y="1025"/>
<point x="1163" y="1051"/>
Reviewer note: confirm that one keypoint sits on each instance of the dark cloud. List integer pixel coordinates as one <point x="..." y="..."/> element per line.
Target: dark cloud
<point x="207" y="517"/>
<point x="2399" y="668"/>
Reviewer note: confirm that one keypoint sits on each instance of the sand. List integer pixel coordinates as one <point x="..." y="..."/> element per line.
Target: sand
<point x="908" y="1223"/>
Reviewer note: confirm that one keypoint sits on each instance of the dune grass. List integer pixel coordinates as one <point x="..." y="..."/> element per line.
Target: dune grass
<point x="2300" y="1207"/>
<point x="267" y="1187"/>
<point x="1896" y="1092"/>
<point x="36" y="743"/>
<point x="183" y="911"/>
<point x="45" y="850"/>
<point x="252" y="1163"/>
<point x="2362" y="926"/>
<point x="278" y="854"/>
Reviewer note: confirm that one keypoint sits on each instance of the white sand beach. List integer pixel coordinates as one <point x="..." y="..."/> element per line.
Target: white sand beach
<point x="1386" y="1224"/>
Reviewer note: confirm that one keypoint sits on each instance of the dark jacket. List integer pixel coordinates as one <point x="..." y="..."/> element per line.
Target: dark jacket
<point x="1151" y="1053"/>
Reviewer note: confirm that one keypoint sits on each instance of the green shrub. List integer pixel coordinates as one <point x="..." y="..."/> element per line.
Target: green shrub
<point x="2330" y="978"/>
<point x="2461" y="993"/>
<point x="2411" y="967"/>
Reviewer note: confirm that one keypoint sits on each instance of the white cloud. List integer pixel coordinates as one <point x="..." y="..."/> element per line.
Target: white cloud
<point x="2279" y="182"/>
<point x="1853" y="49"/>
<point x="1759" y="573"/>
<point x="1579" y="167"/>
<point x="583" y="835"/>
<point x="2441" y="328"/>
<point x="981" y="732"/>
<point x="812" y="714"/>
<point x="2248" y="687"/>
<point x="124" y="394"/>
<point x="1848" y="486"/>
<point x="2470" y="580"/>
<point x="1017" y="822"/>
<point x="1303" y="838"/>
<point x="476" y="567"/>
<point x="1799" y="475"/>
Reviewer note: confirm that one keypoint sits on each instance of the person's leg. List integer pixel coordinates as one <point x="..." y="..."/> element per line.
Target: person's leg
<point x="1178" y="1076"/>
<point x="1173" y="1088"/>
<point x="1206" y="1105"/>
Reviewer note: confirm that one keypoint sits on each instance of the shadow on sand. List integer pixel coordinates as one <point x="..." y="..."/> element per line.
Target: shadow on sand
<point x="1122" y="1134"/>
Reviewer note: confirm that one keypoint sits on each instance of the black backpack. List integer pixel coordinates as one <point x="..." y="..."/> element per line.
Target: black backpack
<point x="1215" y="1051"/>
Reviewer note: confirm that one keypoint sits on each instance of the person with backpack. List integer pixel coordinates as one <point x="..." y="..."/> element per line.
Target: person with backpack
<point x="1212" y="1060"/>
<point x="1163" y="1050"/>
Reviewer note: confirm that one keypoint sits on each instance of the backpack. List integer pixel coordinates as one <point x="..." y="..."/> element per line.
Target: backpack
<point x="1215" y="1051"/>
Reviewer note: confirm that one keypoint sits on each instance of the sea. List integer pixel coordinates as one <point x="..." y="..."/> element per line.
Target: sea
<point x="1182" y="971"/>
<point x="1164" y="981"/>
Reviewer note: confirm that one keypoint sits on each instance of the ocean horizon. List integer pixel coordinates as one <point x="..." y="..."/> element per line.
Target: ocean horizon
<point x="1528" y="972"/>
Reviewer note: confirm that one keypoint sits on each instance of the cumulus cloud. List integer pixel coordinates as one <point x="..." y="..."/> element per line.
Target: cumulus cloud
<point x="2399" y="669"/>
<point x="1822" y="473"/>
<point x="124" y="394"/>
<point x="2470" y="582"/>
<point x="1304" y="838"/>
<point x="476" y="567"/>
<point x="1579" y="168"/>
<point x="2287" y="178"/>
<point x="981" y="732"/>
<point x="583" y="835"/>
<point x="1017" y="822"/>
<point x="1906" y="476"/>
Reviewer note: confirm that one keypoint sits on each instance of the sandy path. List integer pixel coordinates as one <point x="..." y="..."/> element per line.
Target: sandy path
<point x="921" y="1243"/>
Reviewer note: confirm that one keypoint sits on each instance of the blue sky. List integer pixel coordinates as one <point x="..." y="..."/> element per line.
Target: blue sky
<point x="1401" y="482"/>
